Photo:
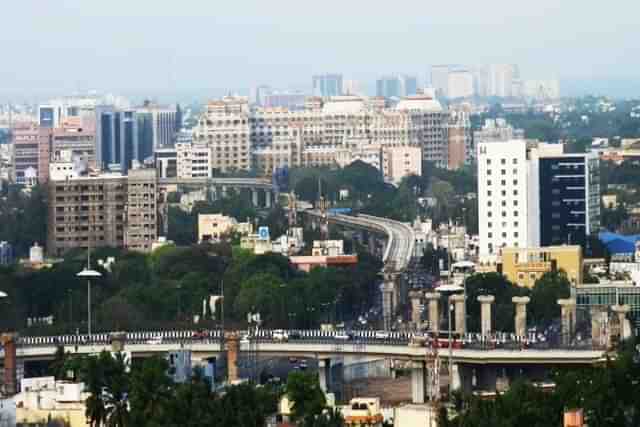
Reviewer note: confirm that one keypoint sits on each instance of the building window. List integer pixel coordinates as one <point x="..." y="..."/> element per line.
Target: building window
<point x="515" y="224"/>
<point x="489" y="172"/>
<point x="504" y="203"/>
<point x="504" y="214"/>
<point x="515" y="203"/>
<point x="515" y="182"/>
<point x="488" y="182"/>
<point x="503" y="161"/>
<point x="515" y="234"/>
<point x="515" y="213"/>
<point x="489" y="235"/>
<point x="488" y="161"/>
<point x="504" y="193"/>
<point x="504" y="235"/>
<point x="515" y="192"/>
<point x="489" y="224"/>
<point x="515" y="162"/>
<point x="504" y="182"/>
<point x="503" y="172"/>
<point x="489" y="203"/>
<point x="489" y="193"/>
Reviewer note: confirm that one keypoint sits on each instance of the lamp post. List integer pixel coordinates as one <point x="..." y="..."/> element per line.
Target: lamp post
<point x="89" y="274"/>
<point x="450" y="350"/>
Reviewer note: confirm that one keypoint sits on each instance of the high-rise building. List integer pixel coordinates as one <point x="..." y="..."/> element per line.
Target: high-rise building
<point x="501" y="78"/>
<point x="31" y="147"/>
<point x="161" y="131"/>
<point x="541" y="89"/>
<point x="98" y="211"/>
<point x="118" y="142"/>
<point x="460" y="84"/>
<point x="327" y="85"/>
<point x="166" y="161"/>
<point x="352" y="87"/>
<point x="535" y="195"/>
<point x="504" y="210"/>
<point x="440" y="79"/>
<point x="396" y="86"/>
<point x="496" y="130"/>
<point x="461" y="150"/>
<point x="569" y="197"/>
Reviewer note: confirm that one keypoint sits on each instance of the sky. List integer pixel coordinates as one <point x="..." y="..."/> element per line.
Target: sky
<point x="137" y="46"/>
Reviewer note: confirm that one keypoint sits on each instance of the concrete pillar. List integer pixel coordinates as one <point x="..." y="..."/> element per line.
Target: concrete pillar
<point x="568" y="319"/>
<point x="417" y="381"/>
<point x="118" y="340"/>
<point x="387" y="304"/>
<point x="485" y="313"/>
<point x="416" y="316"/>
<point x="267" y="199"/>
<point x="460" y="312"/>
<point x="254" y="197"/>
<point x="224" y="191"/>
<point x="598" y="319"/>
<point x="433" y="306"/>
<point x="324" y="373"/>
<point x="372" y="244"/>
<point x="10" y="379"/>
<point x="233" y="348"/>
<point x="621" y="311"/>
<point x="456" y="380"/>
<point x="520" y="315"/>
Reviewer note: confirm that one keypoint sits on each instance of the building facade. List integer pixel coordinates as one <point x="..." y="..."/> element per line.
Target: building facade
<point x="396" y="86"/>
<point x="523" y="266"/>
<point x="504" y="207"/>
<point x="117" y="140"/>
<point x="326" y="85"/>
<point x="460" y="143"/>
<point x="30" y="154"/>
<point x="265" y="139"/>
<point x="93" y="211"/>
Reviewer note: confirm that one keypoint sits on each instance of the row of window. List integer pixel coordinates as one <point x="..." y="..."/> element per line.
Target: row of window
<point x="503" y="161"/>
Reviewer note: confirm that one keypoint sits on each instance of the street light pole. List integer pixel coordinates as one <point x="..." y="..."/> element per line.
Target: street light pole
<point x="450" y="351"/>
<point x="89" y="274"/>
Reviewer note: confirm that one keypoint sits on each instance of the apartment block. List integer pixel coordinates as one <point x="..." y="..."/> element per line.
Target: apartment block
<point x="194" y="160"/>
<point x="460" y="143"/>
<point x="400" y="162"/>
<point x="30" y="156"/>
<point x="102" y="211"/>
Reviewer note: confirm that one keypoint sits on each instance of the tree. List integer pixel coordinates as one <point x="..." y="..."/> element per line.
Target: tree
<point x="151" y="389"/>
<point x="303" y="389"/>
<point x="330" y="418"/>
<point x="547" y="290"/>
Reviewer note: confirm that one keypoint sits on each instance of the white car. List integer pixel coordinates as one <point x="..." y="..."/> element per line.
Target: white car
<point x="382" y="335"/>
<point x="280" y="335"/>
<point x="155" y="340"/>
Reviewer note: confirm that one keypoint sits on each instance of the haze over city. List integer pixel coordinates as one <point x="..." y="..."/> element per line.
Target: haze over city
<point x="200" y="48"/>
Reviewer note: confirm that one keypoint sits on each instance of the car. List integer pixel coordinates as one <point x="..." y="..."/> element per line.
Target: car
<point x="280" y="335"/>
<point x="199" y="335"/>
<point x="382" y="335"/>
<point x="295" y="335"/>
<point x="155" y="340"/>
<point x="342" y="336"/>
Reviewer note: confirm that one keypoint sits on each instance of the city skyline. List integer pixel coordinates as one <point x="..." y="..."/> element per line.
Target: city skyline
<point x="284" y="46"/>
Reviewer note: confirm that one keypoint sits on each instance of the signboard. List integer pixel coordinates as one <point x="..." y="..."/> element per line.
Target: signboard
<point x="263" y="233"/>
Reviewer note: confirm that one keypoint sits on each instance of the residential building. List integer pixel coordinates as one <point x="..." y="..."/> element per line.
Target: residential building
<point x="523" y="266"/>
<point x="77" y="136"/>
<point x="460" y="143"/>
<point x="440" y="79"/>
<point x="194" y="160"/>
<point x="326" y="85"/>
<point x="67" y="166"/>
<point x="506" y="218"/>
<point x="460" y="84"/>
<point x="400" y="162"/>
<point x="501" y="79"/>
<point x="98" y="211"/>
<point x="271" y="138"/>
<point x="289" y="100"/>
<point x="44" y="401"/>
<point x="141" y="228"/>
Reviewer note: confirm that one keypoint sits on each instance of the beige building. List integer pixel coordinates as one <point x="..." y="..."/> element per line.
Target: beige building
<point x="460" y="147"/>
<point x="99" y="211"/>
<point x="43" y="399"/>
<point x="399" y="162"/>
<point x="194" y="160"/>
<point x="212" y="227"/>
<point x="523" y="266"/>
<point x="267" y="138"/>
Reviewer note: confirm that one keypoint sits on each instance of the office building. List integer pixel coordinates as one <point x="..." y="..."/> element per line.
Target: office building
<point x="506" y="218"/>
<point x="166" y="161"/>
<point x="272" y="138"/>
<point x="440" y="79"/>
<point x="460" y="146"/>
<point x="100" y="211"/>
<point x="326" y="85"/>
<point x="523" y="266"/>
<point x="396" y="86"/>
<point x="117" y="139"/>
<point x="501" y="78"/>
<point x="157" y="127"/>
<point x="460" y="84"/>
<point x="569" y="196"/>
<point x="536" y="195"/>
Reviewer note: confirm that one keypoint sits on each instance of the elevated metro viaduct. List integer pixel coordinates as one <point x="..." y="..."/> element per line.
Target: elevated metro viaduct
<point x="486" y="370"/>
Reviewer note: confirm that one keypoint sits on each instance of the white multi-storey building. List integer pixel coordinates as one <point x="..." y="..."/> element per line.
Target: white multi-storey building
<point x="506" y="218"/>
<point x="194" y="160"/>
<point x="269" y="138"/>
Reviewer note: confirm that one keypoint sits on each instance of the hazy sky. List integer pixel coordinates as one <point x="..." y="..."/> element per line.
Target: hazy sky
<point x="131" y="45"/>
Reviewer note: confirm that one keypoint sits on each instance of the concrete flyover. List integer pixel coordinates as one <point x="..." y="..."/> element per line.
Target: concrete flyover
<point x="219" y="187"/>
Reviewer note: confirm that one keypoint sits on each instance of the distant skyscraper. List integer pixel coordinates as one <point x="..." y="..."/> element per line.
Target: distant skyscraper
<point x="440" y="79"/>
<point x="501" y="78"/>
<point x="326" y="85"/>
<point x="164" y="124"/>
<point x="352" y="87"/>
<point x="460" y="84"/>
<point x="396" y="86"/>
